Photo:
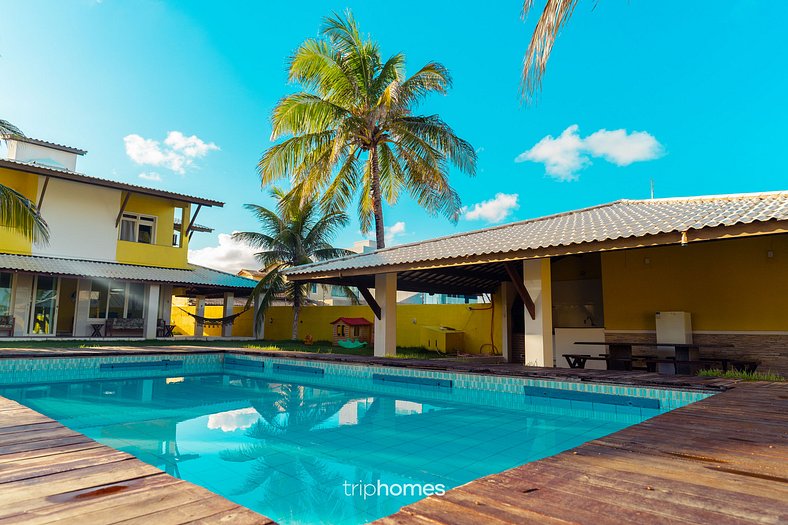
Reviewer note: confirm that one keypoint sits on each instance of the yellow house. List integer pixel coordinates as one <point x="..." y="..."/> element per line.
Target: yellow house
<point x="117" y="252"/>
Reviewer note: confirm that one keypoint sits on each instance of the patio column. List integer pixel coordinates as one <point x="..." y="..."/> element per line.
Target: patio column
<point x="539" y="331"/>
<point x="150" y="311"/>
<point x="504" y="299"/>
<point x="386" y="326"/>
<point x="229" y="302"/>
<point x="257" y="331"/>
<point x="165" y="303"/>
<point x="199" y="310"/>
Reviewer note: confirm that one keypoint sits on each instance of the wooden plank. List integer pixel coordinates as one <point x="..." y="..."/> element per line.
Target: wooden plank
<point x="122" y="208"/>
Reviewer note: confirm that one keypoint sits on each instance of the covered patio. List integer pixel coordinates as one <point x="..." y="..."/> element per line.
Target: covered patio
<point x="601" y="274"/>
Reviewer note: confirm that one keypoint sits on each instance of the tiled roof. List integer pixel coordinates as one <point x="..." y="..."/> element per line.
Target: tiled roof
<point x="59" y="173"/>
<point x="617" y="220"/>
<point x="195" y="276"/>
<point x="352" y="321"/>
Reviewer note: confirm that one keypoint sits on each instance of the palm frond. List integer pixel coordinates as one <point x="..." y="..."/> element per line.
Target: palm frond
<point x="19" y="214"/>
<point x="555" y="15"/>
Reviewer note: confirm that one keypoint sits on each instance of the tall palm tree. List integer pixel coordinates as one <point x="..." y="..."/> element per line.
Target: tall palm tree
<point x="555" y="15"/>
<point x="352" y="129"/>
<point x="17" y="213"/>
<point x="295" y="233"/>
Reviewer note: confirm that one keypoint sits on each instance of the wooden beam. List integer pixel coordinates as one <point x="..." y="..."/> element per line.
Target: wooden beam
<point x="365" y="293"/>
<point x="43" y="192"/>
<point x="517" y="281"/>
<point x="122" y="208"/>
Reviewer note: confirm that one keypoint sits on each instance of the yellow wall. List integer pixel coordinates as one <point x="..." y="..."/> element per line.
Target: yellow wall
<point x="184" y="323"/>
<point x="162" y="253"/>
<point x="27" y="185"/>
<point x="473" y="319"/>
<point x="726" y="285"/>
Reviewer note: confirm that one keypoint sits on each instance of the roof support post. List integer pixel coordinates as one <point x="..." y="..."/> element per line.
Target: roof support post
<point x="191" y="222"/>
<point x="43" y="192"/>
<point x="368" y="297"/>
<point x="539" y="330"/>
<point x="199" y="311"/>
<point x="122" y="208"/>
<point x="386" y="326"/>
<point x="150" y="313"/>
<point x="517" y="281"/>
<point x="229" y="303"/>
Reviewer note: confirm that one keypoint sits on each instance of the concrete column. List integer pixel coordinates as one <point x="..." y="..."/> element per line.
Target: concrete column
<point x="165" y="303"/>
<point x="504" y="299"/>
<point x="229" y="301"/>
<point x="539" y="331"/>
<point x="200" y="310"/>
<point x="82" y="309"/>
<point x="386" y="326"/>
<point x="150" y="311"/>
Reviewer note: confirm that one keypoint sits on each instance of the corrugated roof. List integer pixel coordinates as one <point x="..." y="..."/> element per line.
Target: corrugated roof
<point x="196" y="276"/>
<point x="45" y="143"/>
<point x="38" y="169"/>
<point x="352" y="321"/>
<point x="617" y="220"/>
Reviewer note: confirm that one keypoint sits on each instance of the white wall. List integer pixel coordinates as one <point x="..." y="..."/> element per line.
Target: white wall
<point x="81" y="221"/>
<point x="24" y="152"/>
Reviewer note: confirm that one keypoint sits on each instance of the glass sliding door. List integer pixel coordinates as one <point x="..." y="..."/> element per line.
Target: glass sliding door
<point x="43" y="314"/>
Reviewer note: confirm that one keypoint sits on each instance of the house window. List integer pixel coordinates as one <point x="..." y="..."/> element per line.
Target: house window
<point x="116" y="299"/>
<point x="341" y="330"/>
<point x="5" y="293"/>
<point x="138" y="228"/>
<point x="355" y="331"/>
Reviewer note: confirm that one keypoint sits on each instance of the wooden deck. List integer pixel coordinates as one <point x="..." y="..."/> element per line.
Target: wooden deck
<point x="720" y="461"/>
<point x="51" y="474"/>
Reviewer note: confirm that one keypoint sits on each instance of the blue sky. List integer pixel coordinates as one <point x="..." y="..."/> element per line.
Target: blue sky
<point x="698" y="89"/>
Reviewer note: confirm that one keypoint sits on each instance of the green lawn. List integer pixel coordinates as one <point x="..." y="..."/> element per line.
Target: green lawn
<point x="320" y="347"/>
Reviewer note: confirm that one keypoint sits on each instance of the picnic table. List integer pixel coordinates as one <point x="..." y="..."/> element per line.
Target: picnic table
<point x="619" y="357"/>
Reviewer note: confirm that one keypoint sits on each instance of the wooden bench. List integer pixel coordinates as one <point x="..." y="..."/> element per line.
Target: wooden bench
<point x="124" y="326"/>
<point x="7" y="324"/>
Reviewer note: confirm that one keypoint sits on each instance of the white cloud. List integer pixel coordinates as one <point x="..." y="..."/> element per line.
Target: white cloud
<point x="177" y="153"/>
<point x="392" y="232"/>
<point x="493" y="210"/>
<point x="623" y="149"/>
<point x="150" y="175"/>
<point x="569" y="153"/>
<point x="229" y="256"/>
<point x="233" y="420"/>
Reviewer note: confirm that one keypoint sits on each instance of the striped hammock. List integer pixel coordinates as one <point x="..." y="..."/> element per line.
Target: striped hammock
<point x="214" y="321"/>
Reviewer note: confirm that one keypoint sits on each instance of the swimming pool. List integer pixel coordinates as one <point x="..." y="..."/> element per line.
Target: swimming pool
<point x="314" y="442"/>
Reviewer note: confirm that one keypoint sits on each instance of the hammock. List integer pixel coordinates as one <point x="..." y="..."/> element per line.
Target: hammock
<point x="214" y="321"/>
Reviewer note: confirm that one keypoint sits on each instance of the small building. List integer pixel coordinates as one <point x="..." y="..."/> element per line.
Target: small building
<point x="353" y="328"/>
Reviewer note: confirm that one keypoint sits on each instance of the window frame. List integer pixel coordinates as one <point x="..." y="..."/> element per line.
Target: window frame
<point x="138" y="219"/>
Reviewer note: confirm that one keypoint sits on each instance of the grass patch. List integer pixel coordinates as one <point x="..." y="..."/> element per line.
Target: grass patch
<point x="318" y="347"/>
<point x="742" y="375"/>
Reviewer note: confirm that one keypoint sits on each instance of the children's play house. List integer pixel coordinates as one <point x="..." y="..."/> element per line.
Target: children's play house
<point x="352" y="328"/>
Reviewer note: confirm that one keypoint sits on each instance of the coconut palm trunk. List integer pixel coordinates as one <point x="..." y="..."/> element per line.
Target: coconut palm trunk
<point x="296" y="315"/>
<point x="377" y="199"/>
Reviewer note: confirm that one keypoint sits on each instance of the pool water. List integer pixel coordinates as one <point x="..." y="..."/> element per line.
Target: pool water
<point x="303" y="448"/>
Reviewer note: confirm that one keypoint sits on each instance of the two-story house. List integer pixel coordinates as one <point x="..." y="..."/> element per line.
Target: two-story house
<point x="116" y="251"/>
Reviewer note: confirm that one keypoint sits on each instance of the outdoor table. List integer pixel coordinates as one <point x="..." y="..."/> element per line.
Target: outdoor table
<point x="96" y="329"/>
<point x="685" y="354"/>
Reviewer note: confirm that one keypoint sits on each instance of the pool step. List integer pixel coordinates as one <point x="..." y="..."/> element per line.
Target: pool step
<point x="244" y="363"/>
<point x="591" y="397"/>
<point x="410" y="380"/>
<point x="164" y="364"/>
<point x="297" y="369"/>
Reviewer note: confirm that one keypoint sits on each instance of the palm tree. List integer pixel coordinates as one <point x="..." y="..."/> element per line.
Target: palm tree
<point x="352" y="129"/>
<point x="555" y="15"/>
<point x="17" y="213"/>
<point x="295" y="234"/>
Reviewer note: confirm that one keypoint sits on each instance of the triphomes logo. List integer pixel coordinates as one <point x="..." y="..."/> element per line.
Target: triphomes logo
<point x="369" y="490"/>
